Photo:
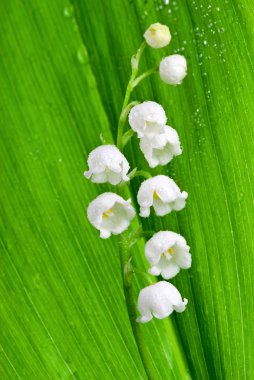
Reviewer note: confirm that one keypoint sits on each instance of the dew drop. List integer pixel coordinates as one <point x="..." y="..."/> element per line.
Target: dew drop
<point x="68" y="11"/>
<point x="82" y="55"/>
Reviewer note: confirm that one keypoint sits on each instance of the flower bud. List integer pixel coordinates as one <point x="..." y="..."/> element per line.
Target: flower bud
<point x="173" y="69"/>
<point x="157" y="35"/>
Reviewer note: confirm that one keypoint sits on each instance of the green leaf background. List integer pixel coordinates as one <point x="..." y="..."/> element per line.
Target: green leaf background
<point x="64" y="68"/>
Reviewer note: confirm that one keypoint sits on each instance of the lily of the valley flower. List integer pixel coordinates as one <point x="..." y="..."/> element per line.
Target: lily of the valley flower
<point x="157" y="35"/>
<point x="147" y="118"/>
<point x="110" y="214"/>
<point x="167" y="252"/>
<point x="159" y="300"/>
<point x="162" y="193"/>
<point x="173" y="69"/>
<point x="161" y="148"/>
<point x="107" y="164"/>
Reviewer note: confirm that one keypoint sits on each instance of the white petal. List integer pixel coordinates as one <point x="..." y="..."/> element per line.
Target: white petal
<point x="99" y="177"/>
<point x="181" y="306"/>
<point x="183" y="258"/>
<point x="170" y="271"/>
<point x="144" y="212"/>
<point x="104" y="234"/>
<point x="179" y="203"/>
<point x="88" y="174"/>
<point x="159" y="243"/>
<point x="114" y="178"/>
<point x="154" y="271"/>
<point x="161" y="208"/>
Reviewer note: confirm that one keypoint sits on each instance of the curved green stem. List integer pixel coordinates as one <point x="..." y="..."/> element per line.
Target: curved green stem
<point x="147" y="276"/>
<point x="144" y="75"/>
<point x="134" y="71"/>
<point x="142" y="173"/>
<point x="136" y="327"/>
<point x="126" y="137"/>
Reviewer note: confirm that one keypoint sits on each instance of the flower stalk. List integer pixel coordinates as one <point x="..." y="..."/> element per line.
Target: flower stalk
<point x="110" y="213"/>
<point x="127" y="272"/>
<point x="130" y="86"/>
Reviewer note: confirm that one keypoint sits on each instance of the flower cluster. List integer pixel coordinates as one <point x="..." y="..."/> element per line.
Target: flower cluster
<point x="158" y="142"/>
<point x="167" y="252"/>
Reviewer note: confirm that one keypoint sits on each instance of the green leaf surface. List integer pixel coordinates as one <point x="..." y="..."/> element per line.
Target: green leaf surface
<point x="64" y="71"/>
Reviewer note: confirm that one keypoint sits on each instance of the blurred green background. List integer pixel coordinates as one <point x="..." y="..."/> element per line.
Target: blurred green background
<point x="64" y="68"/>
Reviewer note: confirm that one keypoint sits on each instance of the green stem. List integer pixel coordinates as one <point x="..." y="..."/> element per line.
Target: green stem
<point x="144" y="75"/>
<point x="129" y="298"/>
<point x="142" y="173"/>
<point x="147" y="276"/>
<point x="126" y="137"/>
<point x="134" y="71"/>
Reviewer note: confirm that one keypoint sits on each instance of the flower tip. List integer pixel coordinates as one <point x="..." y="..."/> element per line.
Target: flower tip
<point x="157" y="35"/>
<point x="87" y="174"/>
<point x="184" y="195"/>
<point x="105" y="234"/>
<point x="144" y="212"/>
<point x="143" y="319"/>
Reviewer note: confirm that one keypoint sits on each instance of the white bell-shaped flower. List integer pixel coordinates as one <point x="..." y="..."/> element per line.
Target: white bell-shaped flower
<point x="157" y="35"/>
<point x="173" y="69"/>
<point x="107" y="164"/>
<point x="110" y="214"/>
<point x="161" y="148"/>
<point x="167" y="252"/>
<point x="147" y="118"/>
<point x="162" y="193"/>
<point x="159" y="300"/>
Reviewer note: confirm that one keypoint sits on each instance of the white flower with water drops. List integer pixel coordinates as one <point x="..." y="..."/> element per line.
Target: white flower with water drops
<point x="159" y="300"/>
<point x="147" y="118"/>
<point x="110" y="214"/>
<point x="162" y="193"/>
<point x="157" y="35"/>
<point x="173" y="69"/>
<point x="160" y="149"/>
<point x="107" y="164"/>
<point x="167" y="253"/>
